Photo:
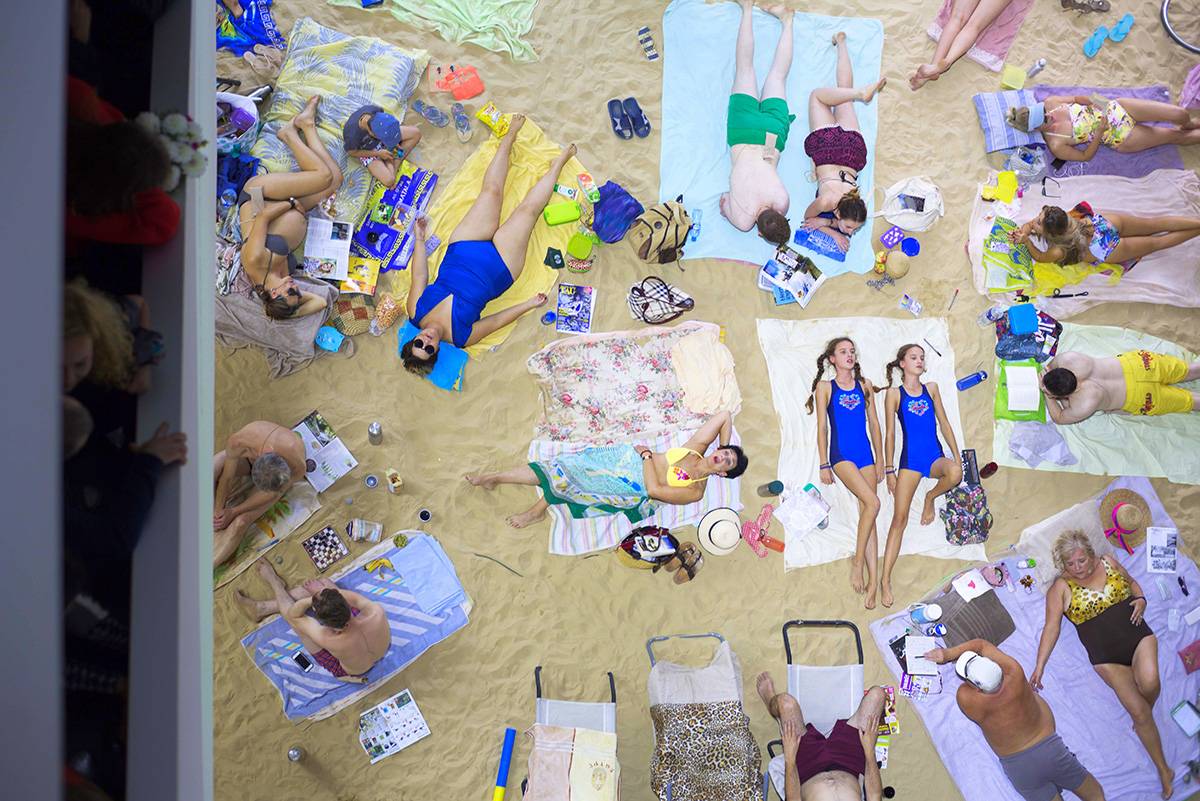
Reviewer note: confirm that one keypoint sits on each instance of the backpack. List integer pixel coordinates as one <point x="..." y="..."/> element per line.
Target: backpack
<point x="966" y="516"/>
<point x="659" y="232"/>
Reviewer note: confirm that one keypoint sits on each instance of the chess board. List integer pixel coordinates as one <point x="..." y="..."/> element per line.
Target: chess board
<point x="324" y="548"/>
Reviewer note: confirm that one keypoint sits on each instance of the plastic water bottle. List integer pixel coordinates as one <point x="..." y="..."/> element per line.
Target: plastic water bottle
<point x="228" y="198"/>
<point x="971" y="380"/>
<point x="1037" y="67"/>
<point x="694" y="233"/>
<point x="992" y="315"/>
<point x="770" y="489"/>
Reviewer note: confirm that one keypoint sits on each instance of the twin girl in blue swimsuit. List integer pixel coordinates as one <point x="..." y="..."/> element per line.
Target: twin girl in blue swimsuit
<point x="849" y="441"/>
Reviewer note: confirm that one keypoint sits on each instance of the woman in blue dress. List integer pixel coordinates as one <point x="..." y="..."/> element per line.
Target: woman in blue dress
<point x="849" y="446"/>
<point x="918" y="409"/>
<point x="483" y="260"/>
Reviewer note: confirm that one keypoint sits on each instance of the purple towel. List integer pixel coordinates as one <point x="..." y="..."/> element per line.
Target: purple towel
<point x="1107" y="161"/>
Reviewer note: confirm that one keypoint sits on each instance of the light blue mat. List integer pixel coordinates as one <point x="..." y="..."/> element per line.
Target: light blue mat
<point x="698" y="59"/>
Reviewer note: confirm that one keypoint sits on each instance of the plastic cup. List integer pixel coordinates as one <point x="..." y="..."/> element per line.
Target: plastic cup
<point x="909" y="246"/>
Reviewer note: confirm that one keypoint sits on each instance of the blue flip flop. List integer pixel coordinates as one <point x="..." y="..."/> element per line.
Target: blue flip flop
<point x="621" y="124"/>
<point x="641" y="123"/>
<point x="1092" y="46"/>
<point x="1121" y="29"/>
<point x="435" y="115"/>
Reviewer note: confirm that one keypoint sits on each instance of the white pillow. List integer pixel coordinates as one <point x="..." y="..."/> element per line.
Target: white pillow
<point x="1037" y="541"/>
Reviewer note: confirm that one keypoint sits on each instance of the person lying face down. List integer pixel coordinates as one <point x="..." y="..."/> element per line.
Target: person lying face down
<point x="1137" y="382"/>
<point x="757" y="132"/>
<point x="820" y="768"/>
<point x="625" y="479"/>
<point x="1086" y="235"/>
<point x="1016" y="722"/>
<point x="483" y="259"/>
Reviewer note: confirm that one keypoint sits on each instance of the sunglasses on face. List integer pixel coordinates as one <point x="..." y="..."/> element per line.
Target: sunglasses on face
<point x="419" y="344"/>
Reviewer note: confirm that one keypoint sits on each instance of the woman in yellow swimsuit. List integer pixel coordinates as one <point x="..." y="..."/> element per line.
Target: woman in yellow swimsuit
<point x="1106" y="605"/>
<point x="626" y="479"/>
<point x="1068" y="122"/>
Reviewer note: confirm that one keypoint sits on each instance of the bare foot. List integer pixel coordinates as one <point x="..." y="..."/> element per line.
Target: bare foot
<point x="856" y="577"/>
<point x="766" y="687"/>
<point x="526" y="518"/>
<point x="265" y="571"/>
<point x="838" y="38"/>
<point x="1168" y="782"/>
<point x="885" y="591"/>
<point x="485" y="480"/>
<point x="868" y="94"/>
<point x="780" y="12"/>
<point x="924" y="74"/>
<point x="309" y="115"/>
<point x="251" y="608"/>
<point x="927" y="514"/>
<point x="514" y="125"/>
<point x="869" y="602"/>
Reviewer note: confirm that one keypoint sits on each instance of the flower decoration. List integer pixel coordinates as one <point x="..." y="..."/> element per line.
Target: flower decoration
<point x="184" y="141"/>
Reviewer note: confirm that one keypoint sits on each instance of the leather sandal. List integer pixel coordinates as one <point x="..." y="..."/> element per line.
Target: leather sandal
<point x="691" y="561"/>
<point x="1086" y="6"/>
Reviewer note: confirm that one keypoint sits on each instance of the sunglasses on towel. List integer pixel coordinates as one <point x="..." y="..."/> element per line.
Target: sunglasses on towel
<point x="418" y="343"/>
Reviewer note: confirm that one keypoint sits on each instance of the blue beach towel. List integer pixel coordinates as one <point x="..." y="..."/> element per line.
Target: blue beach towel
<point x="451" y="362"/>
<point x="317" y="694"/>
<point x="992" y="107"/>
<point x="698" y="65"/>
<point x="255" y="26"/>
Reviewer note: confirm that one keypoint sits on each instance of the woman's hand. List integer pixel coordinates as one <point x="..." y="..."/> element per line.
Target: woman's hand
<point x="891" y="483"/>
<point x="1035" y="679"/>
<point x="420" y="227"/>
<point x="1102" y="126"/>
<point x="936" y="655"/>
<point x="221" y="520"/>
<point x="791" y="738"/>
<point x="538" y="300"/>
<point x="826" y="475"/>
<point x="1139" y="609"/>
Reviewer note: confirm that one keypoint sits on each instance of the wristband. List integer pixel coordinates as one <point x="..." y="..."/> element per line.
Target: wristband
<point x="292" y="202"/>
<point x="1139" y="598"/>
<point x="647" y="455"/>
<point x="890" y="471"/>
<point x="824" y="467"/>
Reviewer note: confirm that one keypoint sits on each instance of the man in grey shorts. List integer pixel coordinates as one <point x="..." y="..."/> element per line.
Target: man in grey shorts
<point x="1016" y="722"/>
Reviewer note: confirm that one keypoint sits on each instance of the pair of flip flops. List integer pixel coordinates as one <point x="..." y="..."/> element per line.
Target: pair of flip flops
<point x="685" y="564"/>
<point x="462" y="123"/>
<point x="434" y="115"/>
<point x="1118" y="33"/>
<point x="627" y="118"/>
<point x="265" y="61"/>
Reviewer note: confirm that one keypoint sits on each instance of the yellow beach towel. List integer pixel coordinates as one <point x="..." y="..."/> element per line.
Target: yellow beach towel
<point x="1050" y="277"/>
<point x="531" y="155"/>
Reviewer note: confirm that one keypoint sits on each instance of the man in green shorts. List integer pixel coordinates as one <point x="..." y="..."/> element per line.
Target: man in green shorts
<point x="757" y="132"/>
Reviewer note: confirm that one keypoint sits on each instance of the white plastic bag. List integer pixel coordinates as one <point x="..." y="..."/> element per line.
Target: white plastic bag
<point x="895" y="211"/>
<point x="244" y="140"/>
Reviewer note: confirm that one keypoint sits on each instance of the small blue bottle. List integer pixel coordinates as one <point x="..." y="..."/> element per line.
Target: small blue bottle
<point x="694" y="233"/>
<point x="971" y="380"/>
<point x="228" y="198"/>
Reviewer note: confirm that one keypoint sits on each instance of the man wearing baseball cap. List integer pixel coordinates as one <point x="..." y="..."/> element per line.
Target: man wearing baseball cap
<point x="1016" y="722"/>
<point x="379" y="141"/>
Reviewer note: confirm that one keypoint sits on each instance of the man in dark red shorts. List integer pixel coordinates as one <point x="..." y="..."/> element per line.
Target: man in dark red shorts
<point x="819" y="768"/>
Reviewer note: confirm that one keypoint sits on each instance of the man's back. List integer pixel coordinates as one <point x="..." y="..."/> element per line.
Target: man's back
<point x="362" y="643"/>
<point x="1014" y="717"/>
<point x="754" y="185"/>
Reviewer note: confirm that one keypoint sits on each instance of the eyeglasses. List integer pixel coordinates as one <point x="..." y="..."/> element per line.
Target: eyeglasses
<point x="420" y="344"/>
<point x="293" y="292"/>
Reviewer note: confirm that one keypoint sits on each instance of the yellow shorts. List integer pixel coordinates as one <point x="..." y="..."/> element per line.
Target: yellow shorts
<point x="1148" y="377"/>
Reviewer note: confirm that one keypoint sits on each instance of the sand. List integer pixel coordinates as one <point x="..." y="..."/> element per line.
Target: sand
<point x="580" y="617"/>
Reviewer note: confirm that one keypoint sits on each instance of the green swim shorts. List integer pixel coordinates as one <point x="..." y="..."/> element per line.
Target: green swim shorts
<point x="750" y="121"/>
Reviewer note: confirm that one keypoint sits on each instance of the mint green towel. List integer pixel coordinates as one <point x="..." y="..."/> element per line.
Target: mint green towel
<point x="492" y="24"/>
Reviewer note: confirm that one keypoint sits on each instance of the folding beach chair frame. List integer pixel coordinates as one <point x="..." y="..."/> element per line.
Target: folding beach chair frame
<point x="663" y="637"/>
<point x="542" y="708"/>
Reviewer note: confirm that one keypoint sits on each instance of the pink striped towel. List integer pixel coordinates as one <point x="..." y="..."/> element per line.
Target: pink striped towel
<point x="991" y="48"/>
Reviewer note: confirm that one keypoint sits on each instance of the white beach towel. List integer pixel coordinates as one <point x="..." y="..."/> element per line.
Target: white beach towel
<point x="1169" y="277"/>
<point x="791" y="348"/>
<point x="1120" y="444"/>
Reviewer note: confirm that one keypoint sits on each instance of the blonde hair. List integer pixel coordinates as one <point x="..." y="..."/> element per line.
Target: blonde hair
<point x="1018" y="117"/>
<point x="1074" y="239"/>
<point x="89" y="313"/>
<point x="1067" y="543"/>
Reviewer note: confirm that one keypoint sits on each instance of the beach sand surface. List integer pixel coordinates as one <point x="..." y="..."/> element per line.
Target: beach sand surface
<point x="580" y="617"/>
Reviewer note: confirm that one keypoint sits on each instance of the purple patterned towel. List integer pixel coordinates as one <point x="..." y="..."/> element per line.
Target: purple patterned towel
<point x="1109" y="162"/>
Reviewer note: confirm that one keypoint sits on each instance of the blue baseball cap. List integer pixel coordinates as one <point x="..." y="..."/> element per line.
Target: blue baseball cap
<point x="1037" y="116"/>
<point x="385" y="128"/>
<point x="1035" y="120"/>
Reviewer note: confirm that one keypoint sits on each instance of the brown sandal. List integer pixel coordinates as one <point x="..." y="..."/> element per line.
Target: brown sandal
<point x="1086" y="6"/>
<point x="691" y="560"/>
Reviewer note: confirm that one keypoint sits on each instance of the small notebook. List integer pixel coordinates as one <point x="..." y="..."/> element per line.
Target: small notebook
<point x="915" y="663"/>
<point x="1024" y="394"/>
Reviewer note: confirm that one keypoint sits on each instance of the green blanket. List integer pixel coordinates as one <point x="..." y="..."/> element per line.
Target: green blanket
<point x="1121" y="444"/>
<point x="497" y="25"/>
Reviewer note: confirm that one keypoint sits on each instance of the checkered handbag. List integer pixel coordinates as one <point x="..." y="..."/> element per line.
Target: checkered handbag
<point x="352" y="314"/>
<point x="654" y="301"/>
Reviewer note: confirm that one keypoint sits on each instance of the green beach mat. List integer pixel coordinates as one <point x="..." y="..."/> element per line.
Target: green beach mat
<point x="497" y="25"/>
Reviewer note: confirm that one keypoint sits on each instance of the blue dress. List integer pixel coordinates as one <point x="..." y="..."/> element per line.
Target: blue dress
<point x="473" y="272"/>
<point x="918" y="421"/>
<point x="848" y="441"/>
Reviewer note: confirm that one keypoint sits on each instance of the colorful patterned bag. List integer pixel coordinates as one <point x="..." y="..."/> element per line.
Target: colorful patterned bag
<point x="966" y="516"/>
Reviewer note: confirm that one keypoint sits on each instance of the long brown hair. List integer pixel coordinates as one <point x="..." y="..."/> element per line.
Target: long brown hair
<point x="1066" y="231"/>
<point x="851" y="207"/>
<point x="895" y="364"/>
<point x="823" y="360"/>
<point x="277" y="308"/>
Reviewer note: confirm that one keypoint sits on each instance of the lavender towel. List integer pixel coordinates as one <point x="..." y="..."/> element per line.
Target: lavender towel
<point x="1107" y="161"/>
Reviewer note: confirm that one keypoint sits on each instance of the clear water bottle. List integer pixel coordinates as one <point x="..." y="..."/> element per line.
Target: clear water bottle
<point x="1037" y="67"/>
<point x="991" y="316"/>
<point x="971" y="380"/>
<point x="228" y="198"/>
<point x="694" y="232"/>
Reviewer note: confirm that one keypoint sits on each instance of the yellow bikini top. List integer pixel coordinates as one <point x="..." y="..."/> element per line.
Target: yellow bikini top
<point x="1086" y="603"/>
<point x="676" y="475"/>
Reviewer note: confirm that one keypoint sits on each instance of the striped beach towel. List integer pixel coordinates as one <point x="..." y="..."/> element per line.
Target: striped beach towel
<point x="571" y="537"/>
<point x="317" y="694"/>
<point x="998" y="134"/>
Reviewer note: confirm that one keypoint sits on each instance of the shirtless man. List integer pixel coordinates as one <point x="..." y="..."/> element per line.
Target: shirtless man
<point x="757" y="132"/>
<point x="346" y="635"/>
<point x="1138" y="382"/>
<point x="840" y="767"/>
<point x="273" y="457"/>
<point x="1016" y="723"/>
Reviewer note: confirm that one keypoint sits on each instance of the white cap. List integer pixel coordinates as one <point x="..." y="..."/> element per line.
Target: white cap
<point x="979" y="671"/>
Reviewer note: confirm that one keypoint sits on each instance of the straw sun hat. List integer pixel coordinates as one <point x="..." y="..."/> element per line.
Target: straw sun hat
<point x="1124" y="515"/>
<point x="720" y="531"/>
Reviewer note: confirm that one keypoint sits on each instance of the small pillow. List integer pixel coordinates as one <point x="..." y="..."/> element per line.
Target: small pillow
<point x="992" y="108"/>
<point x="448" y="371"/>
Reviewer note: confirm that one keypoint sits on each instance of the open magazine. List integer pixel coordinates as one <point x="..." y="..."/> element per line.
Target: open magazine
<point x="791" y="277"/>
<point x="326" y="457"/>
<point x="327" y="248"/>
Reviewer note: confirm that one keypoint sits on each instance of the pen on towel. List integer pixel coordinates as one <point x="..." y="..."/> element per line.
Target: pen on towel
<point x="1183" y="586"/>
<point x="935" y="350"/>
<point x="953" y="298"/>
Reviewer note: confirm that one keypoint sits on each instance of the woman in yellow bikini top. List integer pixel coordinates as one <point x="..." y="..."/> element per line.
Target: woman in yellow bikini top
<point x="676" y="475"/>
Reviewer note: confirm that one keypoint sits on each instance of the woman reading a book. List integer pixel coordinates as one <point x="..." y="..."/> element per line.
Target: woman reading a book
<point x="483" y="259"/>
<point x="917" y="407"/>
<point x="271" y="214"/>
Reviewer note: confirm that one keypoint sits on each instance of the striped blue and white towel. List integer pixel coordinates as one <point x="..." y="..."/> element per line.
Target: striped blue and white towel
<point x="997" y="133"/>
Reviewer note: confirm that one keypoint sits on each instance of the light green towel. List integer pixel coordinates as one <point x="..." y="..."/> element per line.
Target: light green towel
<point x="492" y="24"/>
<point x="1109" y="444"/>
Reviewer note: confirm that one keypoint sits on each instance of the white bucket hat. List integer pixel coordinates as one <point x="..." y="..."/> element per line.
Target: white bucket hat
<point x="720" y="531"/>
